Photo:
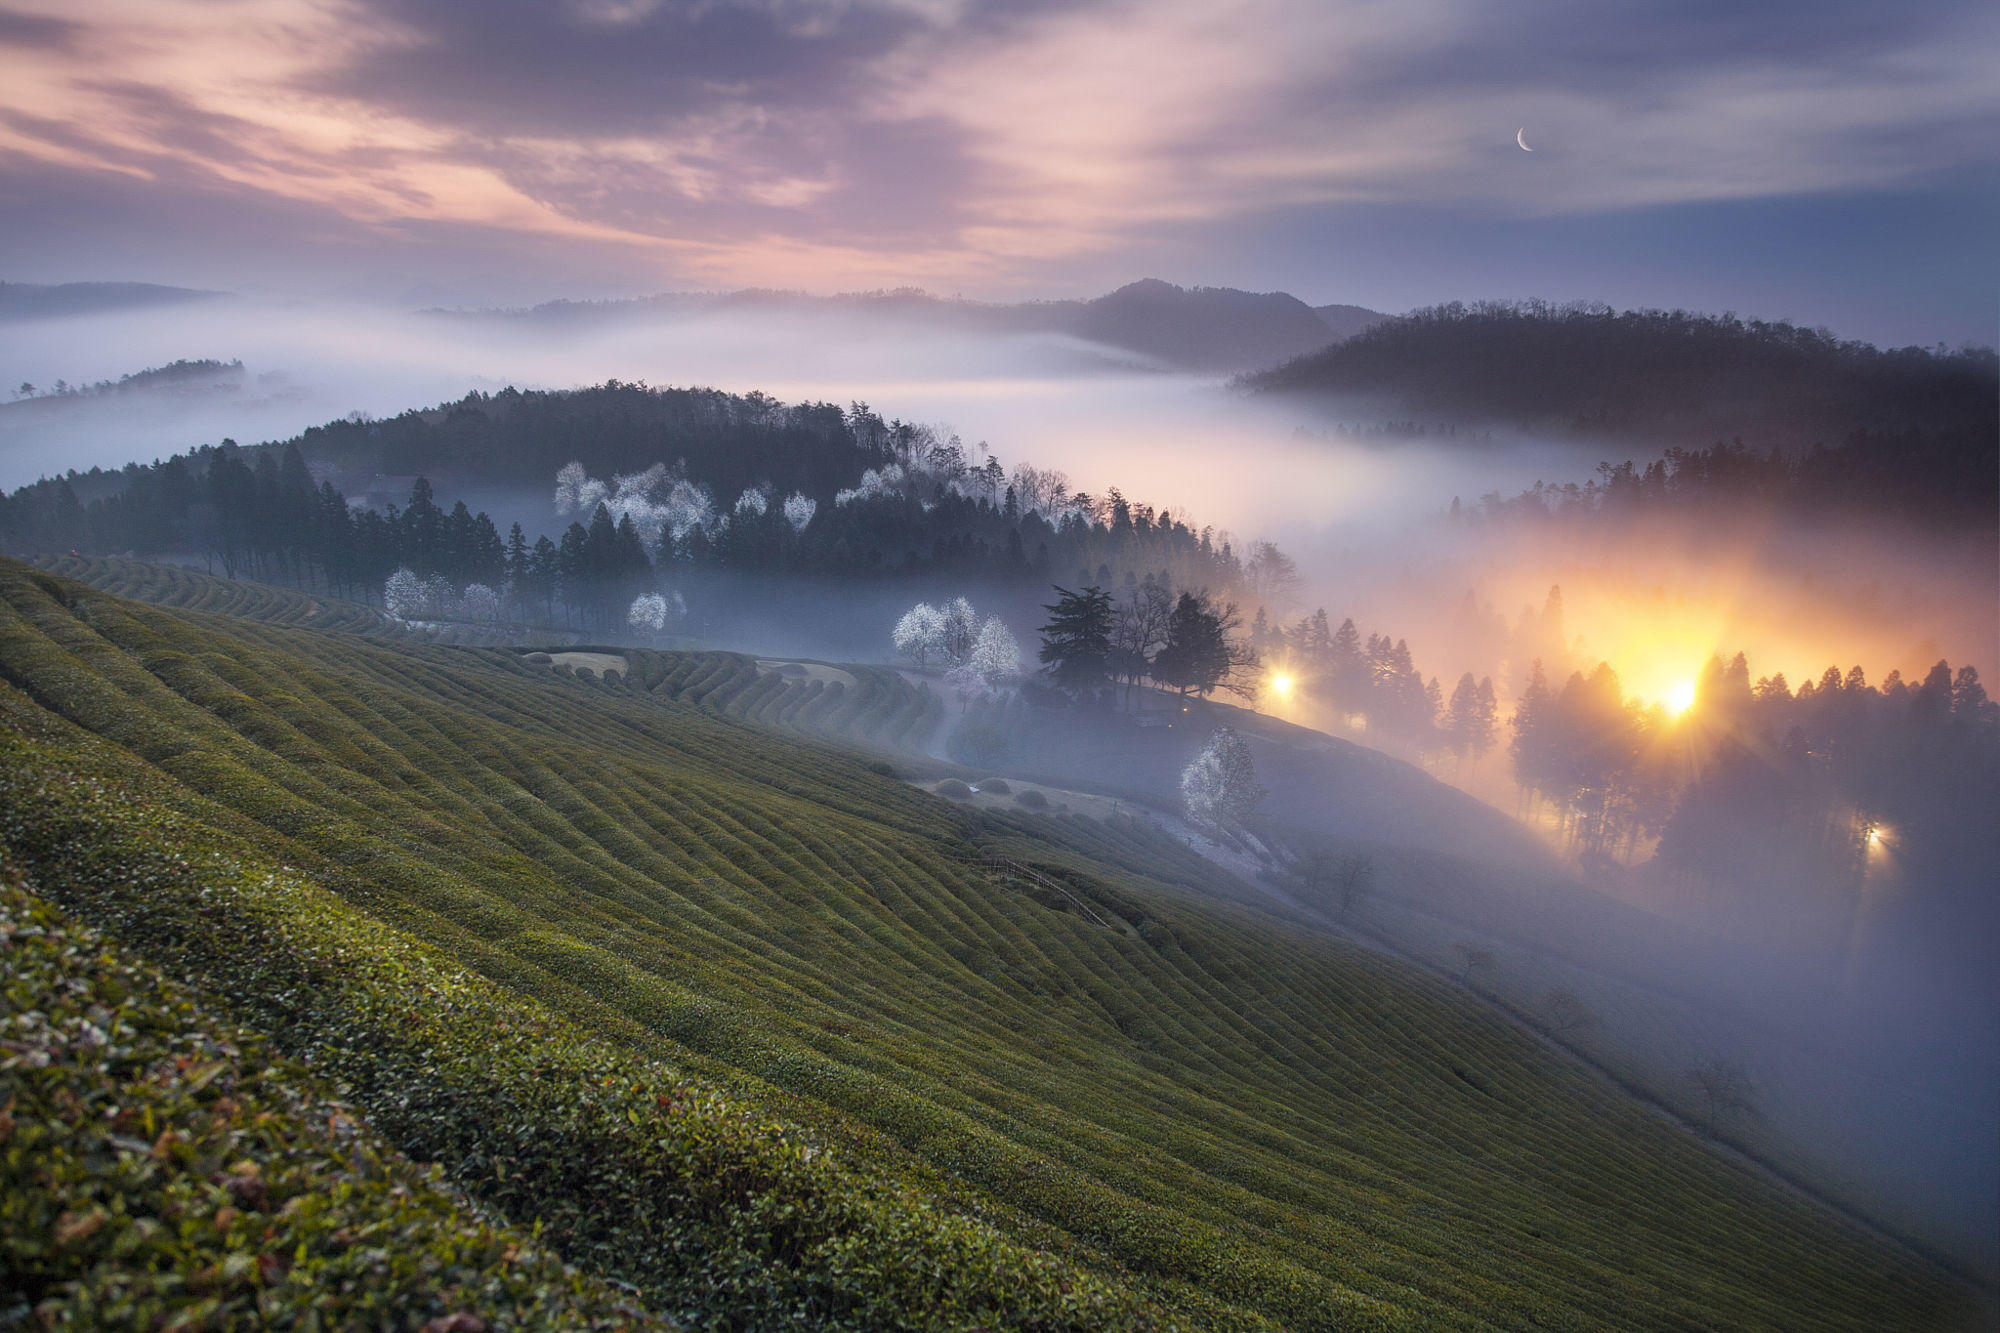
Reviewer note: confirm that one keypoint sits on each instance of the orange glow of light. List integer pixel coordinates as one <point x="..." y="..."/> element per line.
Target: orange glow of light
<point x="1281" y="685"/>
<point x="1680" y="697"/>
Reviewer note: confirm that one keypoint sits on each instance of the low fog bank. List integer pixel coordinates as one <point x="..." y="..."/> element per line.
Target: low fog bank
<point x="1106" y="416"/>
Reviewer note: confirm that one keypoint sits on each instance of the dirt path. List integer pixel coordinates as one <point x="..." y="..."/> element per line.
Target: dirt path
<point x="819" y="671"/>
<point x="601" y="663"/>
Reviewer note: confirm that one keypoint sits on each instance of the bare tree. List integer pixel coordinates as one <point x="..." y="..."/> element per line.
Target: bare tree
<point x="1353" y="881"/>
<point x="1471" y="958"/>
<point x="1725" y="1089"/>
<point x="1138" y="630"/>
<point x="1315" y="872"/>
<point x="1566" y="1013"/>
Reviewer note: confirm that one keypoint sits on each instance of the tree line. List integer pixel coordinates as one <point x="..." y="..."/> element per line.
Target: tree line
<point x="1765" y="796"/>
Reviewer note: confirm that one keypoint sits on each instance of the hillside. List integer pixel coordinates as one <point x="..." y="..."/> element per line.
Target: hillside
<point x="27" y="300"/>
<point x="1659" y="377"/>
<point x="743" y="1023"/>
<point x="1213" y="330"/>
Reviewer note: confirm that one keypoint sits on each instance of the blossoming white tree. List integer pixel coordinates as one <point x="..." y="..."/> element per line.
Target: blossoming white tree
<point x="799" y="510"/>
<point x="403" y="596"/>
<point x="1219" y="786"/>
<point x="478" y="602"/>
<point x="996" y="653"/>
<point x="652" y="612"/>
<point x="991" y="666"/>
<point x="919" y="635"/>
<point x="660" y="503"/>
<point x="961" y="629"/>
<point x="946" y="634"/>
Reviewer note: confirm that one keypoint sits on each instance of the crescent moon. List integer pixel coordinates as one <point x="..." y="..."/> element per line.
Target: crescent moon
<point x="1521" y="138"/>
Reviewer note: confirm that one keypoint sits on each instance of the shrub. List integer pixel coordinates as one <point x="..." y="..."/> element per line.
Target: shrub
<point x="977" y="740"/>
<point x="953" y="790"/>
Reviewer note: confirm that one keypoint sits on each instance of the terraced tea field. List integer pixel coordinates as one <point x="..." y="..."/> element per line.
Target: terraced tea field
<point x="757" y="1029"/>
<point x="192" y="590"/>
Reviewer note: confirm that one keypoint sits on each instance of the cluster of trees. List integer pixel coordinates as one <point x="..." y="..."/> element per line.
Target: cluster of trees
<point x="175" y="376"/>
<point x="1094" y="642"/>
<point x="981" y="660"/>
<point x="256" y="515"/>
<point x="1374" y="681"/>
<point x="1756" y="786"/>
<point x="1927" y="478"/>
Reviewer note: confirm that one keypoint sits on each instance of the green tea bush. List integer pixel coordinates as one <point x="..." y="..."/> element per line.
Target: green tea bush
<point x="160" y="1168"/>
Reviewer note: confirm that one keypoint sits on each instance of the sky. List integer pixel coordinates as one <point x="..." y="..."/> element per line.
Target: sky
<point x="1835" y="162"/>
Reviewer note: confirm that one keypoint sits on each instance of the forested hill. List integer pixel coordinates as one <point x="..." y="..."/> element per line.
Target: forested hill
<point x="728" y="441"/>
<point x="27" y="300"/>
<point x="1661" y="377"/>
<point x="1213" y="329"/>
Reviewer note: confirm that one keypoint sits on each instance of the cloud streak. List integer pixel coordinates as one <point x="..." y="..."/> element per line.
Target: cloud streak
<point x="986" y="145"/>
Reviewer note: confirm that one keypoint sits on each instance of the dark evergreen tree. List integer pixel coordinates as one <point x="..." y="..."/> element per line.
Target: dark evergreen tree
<point x="1076" y="641"/>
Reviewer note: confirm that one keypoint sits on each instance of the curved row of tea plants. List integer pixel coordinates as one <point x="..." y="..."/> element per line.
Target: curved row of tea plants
<point x="880" y="709"/>
<point x="162" y="1168"/>
<point x="1248" y="1123"/>
<point x="192" y="590"/>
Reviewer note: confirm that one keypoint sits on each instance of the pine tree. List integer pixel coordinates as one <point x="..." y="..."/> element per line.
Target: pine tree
<point x="1461" y="716"/>
<point x="1532" y="722"/>
<point x="1348" y="668"/>
<point x="1485" y="721"/>
<point x="1197" y="656"/>
<point x="1076" y="641"/>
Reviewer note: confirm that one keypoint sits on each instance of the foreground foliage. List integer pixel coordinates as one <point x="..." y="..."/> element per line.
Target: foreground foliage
<point x="161" y="1168"/>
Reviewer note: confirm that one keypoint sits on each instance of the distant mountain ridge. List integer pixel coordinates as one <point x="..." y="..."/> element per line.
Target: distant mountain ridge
<point x="1671" y="377"/>
<point x="26" y="300"/>
<point x="1216" y="330"/>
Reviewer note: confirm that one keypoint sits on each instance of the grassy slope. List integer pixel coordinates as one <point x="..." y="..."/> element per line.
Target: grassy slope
<point x="1233" y="1121"/>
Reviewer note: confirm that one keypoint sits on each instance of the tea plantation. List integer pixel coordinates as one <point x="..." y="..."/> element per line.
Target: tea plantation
<point x="714" y="1011"/>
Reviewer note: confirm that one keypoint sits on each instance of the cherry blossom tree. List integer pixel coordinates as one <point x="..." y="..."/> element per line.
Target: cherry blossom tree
<point x="1219" y="786"/>
<point x="653" y="612"/>
<point x="919" y="635"/>
<point x="961" y="629"/>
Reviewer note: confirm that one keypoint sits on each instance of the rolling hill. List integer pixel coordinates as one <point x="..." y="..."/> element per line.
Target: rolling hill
<point x="1661" y="377"/>
<point x="27" y="300"/>
<point x="1213" y="330"/>
<point x="734" y="1018"/>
